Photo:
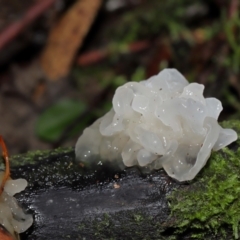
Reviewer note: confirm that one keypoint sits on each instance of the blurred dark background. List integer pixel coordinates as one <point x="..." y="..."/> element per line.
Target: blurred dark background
<point x="61" y="60"/>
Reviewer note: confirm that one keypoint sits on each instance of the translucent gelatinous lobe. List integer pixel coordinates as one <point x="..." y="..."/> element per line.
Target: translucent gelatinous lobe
<point x="160" y="122"/>
<point x="12" y="216"/>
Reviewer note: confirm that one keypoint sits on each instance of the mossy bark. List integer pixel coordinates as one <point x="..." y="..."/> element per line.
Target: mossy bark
<point x="211" y="202"/>
<point x="70" y="202"/>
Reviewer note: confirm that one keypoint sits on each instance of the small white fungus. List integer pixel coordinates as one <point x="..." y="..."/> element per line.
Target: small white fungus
<point x="12" y="216"/>
<point x="162" y="122"/>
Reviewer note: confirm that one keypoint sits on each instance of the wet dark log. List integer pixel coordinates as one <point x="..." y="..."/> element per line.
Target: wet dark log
<point x="97" y="205"/>
<point x="69" y="201"/>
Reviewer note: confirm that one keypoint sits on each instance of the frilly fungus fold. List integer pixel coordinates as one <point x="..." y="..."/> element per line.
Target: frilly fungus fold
<point x="12" y="216"/>
<point x="162" y="122"/>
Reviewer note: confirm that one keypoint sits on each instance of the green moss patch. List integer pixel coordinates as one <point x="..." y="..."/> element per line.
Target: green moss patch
<point x="35" y="157"/>
<point x="212" y="201"/>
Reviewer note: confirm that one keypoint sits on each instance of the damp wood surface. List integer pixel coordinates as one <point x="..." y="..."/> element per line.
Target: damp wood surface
<point x="103" y="202"/>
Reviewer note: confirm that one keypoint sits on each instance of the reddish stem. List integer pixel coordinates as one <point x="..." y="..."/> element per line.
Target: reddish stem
<point x="10" y="32"/>
<point x="98" y="55"/>
<point x="7" y="167"/>
<point x="233" y="8"/>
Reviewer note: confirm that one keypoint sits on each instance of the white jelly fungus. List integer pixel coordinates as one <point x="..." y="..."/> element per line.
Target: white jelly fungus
<point x="162" y="122"/>
<point x="12" y="216"/>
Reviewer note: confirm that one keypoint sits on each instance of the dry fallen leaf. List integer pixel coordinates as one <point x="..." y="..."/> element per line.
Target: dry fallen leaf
<point x="67" y="36"/>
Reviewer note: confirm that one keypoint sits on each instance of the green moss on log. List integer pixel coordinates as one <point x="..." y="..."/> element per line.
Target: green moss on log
<point x="35" y="157"/>
<point x="212" y="200"/>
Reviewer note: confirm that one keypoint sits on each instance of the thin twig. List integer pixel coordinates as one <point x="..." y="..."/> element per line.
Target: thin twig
<point x="7" y="167"/>
<point x="233" y="8"/>
<point x="98" y="55"/>
<point x="10" y="32"/>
